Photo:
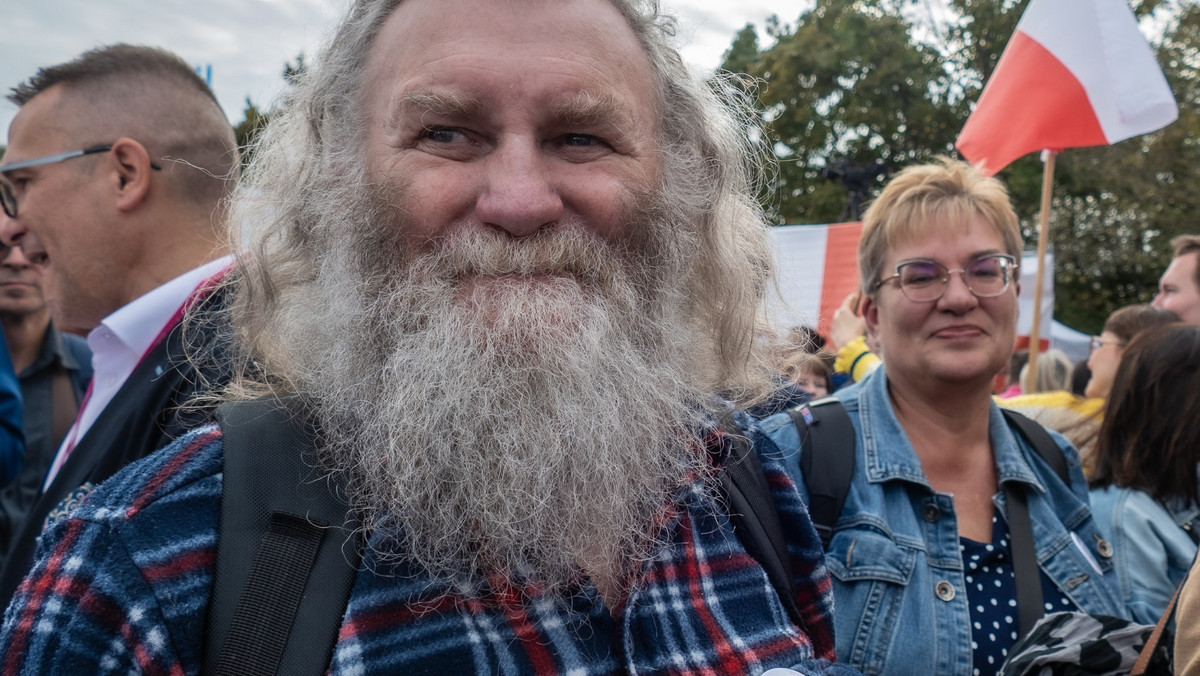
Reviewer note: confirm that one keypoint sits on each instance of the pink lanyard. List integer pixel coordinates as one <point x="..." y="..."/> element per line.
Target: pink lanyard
<point x="202" y="291"/>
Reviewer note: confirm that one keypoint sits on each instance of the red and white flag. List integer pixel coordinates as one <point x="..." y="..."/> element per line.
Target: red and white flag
<point x="1076" y="73"/>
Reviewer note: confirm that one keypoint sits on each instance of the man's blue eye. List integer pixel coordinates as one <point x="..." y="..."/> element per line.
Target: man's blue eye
<point x="442" y="135"/>
<point x="579" y="140"/>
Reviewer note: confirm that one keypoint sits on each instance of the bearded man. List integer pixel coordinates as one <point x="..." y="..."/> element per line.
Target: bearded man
<point x="503" y="257"/>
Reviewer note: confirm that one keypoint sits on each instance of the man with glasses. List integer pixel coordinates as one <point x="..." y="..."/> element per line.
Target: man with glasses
<point x="54" y="369"/>
<point x="117" y="167"/>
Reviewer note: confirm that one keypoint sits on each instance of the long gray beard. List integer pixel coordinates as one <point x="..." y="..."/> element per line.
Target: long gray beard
<point x="518" y="408"/>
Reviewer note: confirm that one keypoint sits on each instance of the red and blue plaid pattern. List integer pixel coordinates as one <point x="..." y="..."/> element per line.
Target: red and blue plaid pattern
<point x="122" y="585"/>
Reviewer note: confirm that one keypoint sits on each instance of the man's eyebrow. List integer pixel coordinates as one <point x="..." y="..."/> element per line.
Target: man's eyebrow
<point x="586" y="108"/>
<point x="425" y="102"/>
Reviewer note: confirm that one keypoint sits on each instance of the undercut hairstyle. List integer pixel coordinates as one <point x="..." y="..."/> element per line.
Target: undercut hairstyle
<point x="1186" y="244"/>
<point x="1127" y="322"/>
<point x="1150" y="439"/>
<point x="314" y="147"/>
<point x="153" y="96"/>
<point x="943" y="196"/>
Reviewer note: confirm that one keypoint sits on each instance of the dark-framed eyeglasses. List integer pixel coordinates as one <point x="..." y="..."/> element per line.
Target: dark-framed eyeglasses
<point x="925" y="281"/>
<point x="8" y="195"/>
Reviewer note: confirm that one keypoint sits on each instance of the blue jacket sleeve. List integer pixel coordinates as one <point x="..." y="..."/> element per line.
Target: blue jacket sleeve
<point x="12" y="437"/>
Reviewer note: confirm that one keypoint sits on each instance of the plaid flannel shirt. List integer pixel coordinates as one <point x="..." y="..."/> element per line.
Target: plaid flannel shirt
<point x="122" y="586"/>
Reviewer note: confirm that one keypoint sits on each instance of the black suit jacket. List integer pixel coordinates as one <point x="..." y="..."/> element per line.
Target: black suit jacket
<point x="143" y="416"/>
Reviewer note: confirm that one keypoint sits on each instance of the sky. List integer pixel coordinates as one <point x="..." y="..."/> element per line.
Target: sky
<point x="247" y="42"/>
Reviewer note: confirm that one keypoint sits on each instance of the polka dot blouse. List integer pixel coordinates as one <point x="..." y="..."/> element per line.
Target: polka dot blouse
<point x="992" y="593"/>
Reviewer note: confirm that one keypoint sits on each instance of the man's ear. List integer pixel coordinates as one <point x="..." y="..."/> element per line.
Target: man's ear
<point x="130" y="167"/>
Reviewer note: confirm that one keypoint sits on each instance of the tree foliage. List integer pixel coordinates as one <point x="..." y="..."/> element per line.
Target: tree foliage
<point x="862" y="88"/>
<point x="254" y="119"/>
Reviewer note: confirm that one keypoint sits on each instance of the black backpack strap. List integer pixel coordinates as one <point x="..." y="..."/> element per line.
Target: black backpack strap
<point x="286" y="560"/>
<point x="1025" y="565"/>
<point x="827" y="453"/>
<point x="1030" y="606"/>
<point x="755" y="521"/>
<point x="1042" y="442"/>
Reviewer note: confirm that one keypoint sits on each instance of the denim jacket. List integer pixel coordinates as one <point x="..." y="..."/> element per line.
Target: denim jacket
<point x="901" y="604"/>
<point x="1152" y="552"/>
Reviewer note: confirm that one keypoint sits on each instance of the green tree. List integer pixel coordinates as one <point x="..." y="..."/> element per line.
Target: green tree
<point x="880" y="83"/>
<point x="742" y="54"/>
<point x="845" y="90"/>
<point x="254" y="120"/>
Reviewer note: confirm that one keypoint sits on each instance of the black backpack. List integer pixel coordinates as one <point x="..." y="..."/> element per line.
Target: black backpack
<point x="286" y="560"/>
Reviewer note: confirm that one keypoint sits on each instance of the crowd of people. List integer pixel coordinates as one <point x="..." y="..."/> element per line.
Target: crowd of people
<point x="466" y="373"/>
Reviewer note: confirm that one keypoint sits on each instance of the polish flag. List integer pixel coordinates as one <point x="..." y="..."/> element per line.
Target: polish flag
<point x="1076" y="73"/>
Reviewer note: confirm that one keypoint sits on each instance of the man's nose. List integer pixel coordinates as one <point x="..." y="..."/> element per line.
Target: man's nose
<point x="11" y="230"/>
<point x="14" y="258"/>
<point x="520" y="192"/>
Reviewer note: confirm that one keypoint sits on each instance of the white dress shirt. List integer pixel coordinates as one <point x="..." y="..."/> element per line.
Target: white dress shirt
<point x="119" y="343"/>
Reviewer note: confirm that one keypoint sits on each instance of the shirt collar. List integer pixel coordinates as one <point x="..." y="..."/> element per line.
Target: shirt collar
<point x="138" y="323"/>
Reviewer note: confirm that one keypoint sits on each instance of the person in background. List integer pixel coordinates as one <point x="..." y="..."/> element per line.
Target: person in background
<point x="1144" y="479"/>
<point x="1179" y="287"/>
<point x="1119" y="329"/>
<point x="12" y="439"/>
<point x="848" y="333"/>
<point x="1187" y="625"/>
<point x="1080" y="375"/>
<point x="1012" y="372"/>
<point x="118" y="167"/>
<point x="810" y="372"/>
<point x="804" y="339"/>
<point x="923" y="572"/>
<point x="54" y="369"/>
<point x="1054" y="372"/>
<point x="1078" y="416"/>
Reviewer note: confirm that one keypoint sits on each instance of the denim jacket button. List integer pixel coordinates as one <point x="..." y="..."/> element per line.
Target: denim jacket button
<point x="1104" y="548"/>
<point x="931" y="513"/>
<point x="945" y="591"/>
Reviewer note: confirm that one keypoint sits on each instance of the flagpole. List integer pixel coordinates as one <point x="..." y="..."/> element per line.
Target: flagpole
<point x="1043" y="236"/>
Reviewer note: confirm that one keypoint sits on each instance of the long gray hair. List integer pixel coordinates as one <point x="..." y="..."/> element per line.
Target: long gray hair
<point x="312" y="151"/>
